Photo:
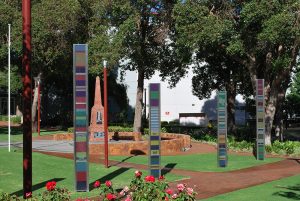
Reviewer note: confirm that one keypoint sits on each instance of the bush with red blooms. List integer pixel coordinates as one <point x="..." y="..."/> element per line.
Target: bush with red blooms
<point x="51" y="192"/>
<point x="54" y="193"/>
<point x="50" y="186"/>
<point x="147" y="188"/>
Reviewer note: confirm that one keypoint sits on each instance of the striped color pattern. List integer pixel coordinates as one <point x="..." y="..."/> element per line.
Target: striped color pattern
<point x="260" y="120"/>
<point x="80" y="73"/>
<point x="222" y="129"/>
<point x="154" y="126"/>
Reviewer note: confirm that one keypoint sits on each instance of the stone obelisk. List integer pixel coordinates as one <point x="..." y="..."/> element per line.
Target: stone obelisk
<point x="97" y="115"/>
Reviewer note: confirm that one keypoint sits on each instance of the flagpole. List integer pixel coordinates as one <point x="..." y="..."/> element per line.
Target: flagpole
<point x="8" y="87"/>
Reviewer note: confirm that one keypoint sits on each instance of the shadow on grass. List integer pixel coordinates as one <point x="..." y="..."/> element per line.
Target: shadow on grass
<point x="123" y="160"/>
<point x="37" y="186"/>
<point x="165" y="170"/>
<point x="109" y="176"/>
<point x="289" y="192"/>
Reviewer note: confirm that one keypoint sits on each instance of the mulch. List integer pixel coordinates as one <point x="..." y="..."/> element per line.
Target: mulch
<point x="209" y="184"/>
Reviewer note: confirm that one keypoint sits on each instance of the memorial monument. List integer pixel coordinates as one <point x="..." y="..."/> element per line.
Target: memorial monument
<point x="97" y="115"/>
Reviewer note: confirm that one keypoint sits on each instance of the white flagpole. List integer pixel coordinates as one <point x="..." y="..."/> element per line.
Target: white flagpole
<point x="8" y="87"/>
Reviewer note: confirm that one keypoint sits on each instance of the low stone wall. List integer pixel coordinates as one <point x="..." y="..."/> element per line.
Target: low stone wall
<point x="170" y="143"/>
<point x="186" y="139"/>
<point x="111" y="135"/>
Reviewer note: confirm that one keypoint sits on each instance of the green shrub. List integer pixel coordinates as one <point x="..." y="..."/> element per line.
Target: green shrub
<point x="3" y="118"/>
<point x="16" y="119"/>
<point x="13" y="119"/>
<point x="269" y="148"/>
<point x="71" y="130"/>
<point x="119" y="129"/>
<point x="163" y="130"/>
<point x="288" y="147"/>
<point x="240" y="146"/>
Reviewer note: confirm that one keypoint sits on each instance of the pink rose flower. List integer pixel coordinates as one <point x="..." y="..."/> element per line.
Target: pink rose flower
<point x="28" y="195"/>
<point x="122" y="193"/>
<point x="128" y="198"/>
<point x="180" y="187"/>
<point x="190" y="191"/>
<point x="126" y="189"/>
<point x="174" y="196"/>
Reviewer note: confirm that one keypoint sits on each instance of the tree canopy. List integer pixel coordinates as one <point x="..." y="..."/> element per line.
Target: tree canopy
<point x="263" y="36"/>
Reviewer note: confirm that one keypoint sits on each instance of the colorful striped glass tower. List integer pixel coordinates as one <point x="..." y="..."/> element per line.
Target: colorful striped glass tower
<point x="260" y="120"/>
<point x="222" y="129"/>
<point x="81" y="133"/>
<point x="154" y="125"/>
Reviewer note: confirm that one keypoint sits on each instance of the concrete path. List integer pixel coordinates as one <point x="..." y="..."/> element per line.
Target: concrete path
<point x="46" y="146"/>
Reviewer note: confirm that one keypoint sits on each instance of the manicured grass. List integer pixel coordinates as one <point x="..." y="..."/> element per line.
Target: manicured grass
<point x="279" y="190"/>
<point x="17" y="134"/>
<point x="200" y="162"/>
<point x="48" y="168"/>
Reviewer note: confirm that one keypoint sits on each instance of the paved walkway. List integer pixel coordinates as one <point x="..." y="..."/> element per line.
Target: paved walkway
<point x="46" y="146"/>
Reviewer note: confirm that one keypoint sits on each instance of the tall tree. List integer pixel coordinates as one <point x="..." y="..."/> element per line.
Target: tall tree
<point x="134" y="36"/>
<point x="56" y="26"/>
<point x="261" y="35"/>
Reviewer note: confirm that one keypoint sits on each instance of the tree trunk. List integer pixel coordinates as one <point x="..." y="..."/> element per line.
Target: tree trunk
<point x="231" y="93"/>
<point x="34" y="108"/>
<point x="35" y="103"/>
<point x="270" y="113"/>
<point x="137" y="126"/>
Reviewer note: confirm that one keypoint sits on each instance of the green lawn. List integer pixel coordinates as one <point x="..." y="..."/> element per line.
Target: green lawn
<point x="200" y="162"/>
<point x="17" y="134"/>
<point x="48" y="168"/>
<point x="279" y="190"/>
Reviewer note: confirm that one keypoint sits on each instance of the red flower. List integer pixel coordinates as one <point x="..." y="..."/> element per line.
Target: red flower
<point x="50" y="185"/>
<point x="161" y="178"/>
<point x="169" y="191"/>
<point x="150" y="178"/>
<point x="138" y="174"/>
<point x="96" y="184"/>
<point x="108" y="183"/>
<point x="28" y="195"/>
<point x="110" y="196"/>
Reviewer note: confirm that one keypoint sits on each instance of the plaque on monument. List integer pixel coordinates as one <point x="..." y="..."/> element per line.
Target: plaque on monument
<point x="96" y="124"/>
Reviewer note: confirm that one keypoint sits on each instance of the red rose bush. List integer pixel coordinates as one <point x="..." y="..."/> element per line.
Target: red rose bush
<point x="145" y="188"/>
